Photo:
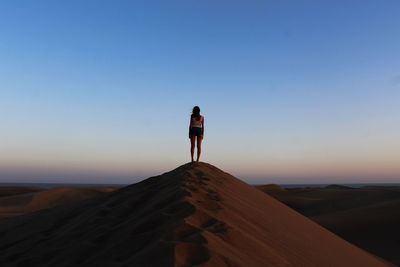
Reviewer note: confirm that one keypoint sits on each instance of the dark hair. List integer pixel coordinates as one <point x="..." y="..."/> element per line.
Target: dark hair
<point x="196" y="112"/>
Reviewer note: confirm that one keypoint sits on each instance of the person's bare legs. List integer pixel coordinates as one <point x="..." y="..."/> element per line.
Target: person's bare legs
<point x="199" y="139"/>
<point x="192" y="144"/>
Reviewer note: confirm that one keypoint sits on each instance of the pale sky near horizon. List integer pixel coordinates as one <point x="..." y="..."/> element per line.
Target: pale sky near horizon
<point x="292" y="91"/>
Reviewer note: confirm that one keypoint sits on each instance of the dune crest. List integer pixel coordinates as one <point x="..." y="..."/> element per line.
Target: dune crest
<point x="195" y="215"/>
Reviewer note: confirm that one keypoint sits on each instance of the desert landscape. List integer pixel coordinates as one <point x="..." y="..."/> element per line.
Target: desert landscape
<point x="111" y="109"/>
<point x="23" y="200"/>
<point x="367" y="217"/>
<point x="195" y="215"/>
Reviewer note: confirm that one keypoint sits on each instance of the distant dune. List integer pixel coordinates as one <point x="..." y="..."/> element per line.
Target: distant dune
<point x="271" y="188"/>
<point x="23" y="200"/>
<point x="195" y="215"/>
<point x="368" y="217"/>
<point x="336" y="186"/>
<point x="6" y="191"/>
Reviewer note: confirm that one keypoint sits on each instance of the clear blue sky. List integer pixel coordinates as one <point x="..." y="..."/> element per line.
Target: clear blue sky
<point x="292" y="91"/>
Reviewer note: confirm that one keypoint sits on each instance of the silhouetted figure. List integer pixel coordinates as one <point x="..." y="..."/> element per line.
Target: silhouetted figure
<point x="196" y="131"/>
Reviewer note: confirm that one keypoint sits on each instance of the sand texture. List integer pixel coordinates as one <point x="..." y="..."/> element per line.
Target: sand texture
<point x="368" y="217"/>
<point x="22" y="201"/>
<point x="195" y="215"/>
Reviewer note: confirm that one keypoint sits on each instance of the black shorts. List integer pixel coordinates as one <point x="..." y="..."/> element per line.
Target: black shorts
<point x="195" y="131"/>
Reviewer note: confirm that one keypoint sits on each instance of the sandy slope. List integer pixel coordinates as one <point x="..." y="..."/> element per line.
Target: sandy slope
<point x="6" y="191"/>
<point x="368" y="217"/>
<point x="23" y="203"/>
<point x="195" y="215"/>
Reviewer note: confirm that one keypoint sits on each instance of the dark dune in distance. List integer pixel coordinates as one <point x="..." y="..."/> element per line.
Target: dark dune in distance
<point x="6" y="191"/>
<point x="22" y="200"/>
<point x="368" y="217"/>
<point x="195" y="215"/>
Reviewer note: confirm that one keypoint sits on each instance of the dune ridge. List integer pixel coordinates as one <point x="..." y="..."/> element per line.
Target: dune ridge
<point x="195" y="215"/>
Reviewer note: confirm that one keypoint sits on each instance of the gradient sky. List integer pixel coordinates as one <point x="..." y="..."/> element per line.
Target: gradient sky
<point x="292" y="91"/>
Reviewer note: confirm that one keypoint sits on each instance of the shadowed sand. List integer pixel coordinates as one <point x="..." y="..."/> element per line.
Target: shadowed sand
<point x="195" y="215"/>
<point x="368" y="216"/>
<point x="17" y="201"/>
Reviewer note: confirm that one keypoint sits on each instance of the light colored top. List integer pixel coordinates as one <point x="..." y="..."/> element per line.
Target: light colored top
<point x="196" y="122"/>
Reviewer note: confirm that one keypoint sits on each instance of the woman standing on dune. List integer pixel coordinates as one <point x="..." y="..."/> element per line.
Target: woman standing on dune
<point x="196" y="131"/>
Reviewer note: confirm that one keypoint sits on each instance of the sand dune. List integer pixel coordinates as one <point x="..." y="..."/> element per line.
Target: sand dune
<point x="6" y="191"/>
<point x="368" y="217"/>
<point x="195" y="215"/>
<point x="21" y="202"/>
<point x="271" y="188"/>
